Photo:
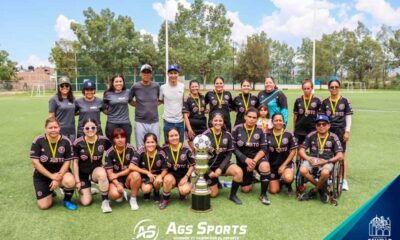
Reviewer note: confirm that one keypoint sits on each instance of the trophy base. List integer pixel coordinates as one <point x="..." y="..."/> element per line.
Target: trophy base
<point x="201" y="203"/>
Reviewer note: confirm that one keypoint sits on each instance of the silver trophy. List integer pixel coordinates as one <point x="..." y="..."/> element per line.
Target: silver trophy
<point x="201" y="193"/>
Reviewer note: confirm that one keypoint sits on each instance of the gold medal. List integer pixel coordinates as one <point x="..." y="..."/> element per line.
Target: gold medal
<point x="306" y="114"/>
<point x="322" y="143"/>
<point x="175" y="158"/>
<point x="91" y="150"/>
<point x="150" y="165"/>
<point x="249" y="136"/>
<point x="246" y="104"/>
<point x="217" y="141"/>
<point x="219" y="99"/>
<point x="198" y="103"/>
<point x="333" y="106"/>
<point x="278" y="149"/>
<point x="121" y="160"/>
<point x="278" y="142"/>
<point x="321" y="152"/>
<point x="53" y="150"/>
<point x="307" y="104"/>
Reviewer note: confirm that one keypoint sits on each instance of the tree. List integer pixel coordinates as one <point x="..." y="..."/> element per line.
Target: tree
<point x="63" y="57"/>
<point x="282" y="60"/>
<point x="199" y="39"/>
<point x="304" y="54"/>
<point x="253" y="59"/>
<point x="110" y="42"/>
<point x="8" y="68"/>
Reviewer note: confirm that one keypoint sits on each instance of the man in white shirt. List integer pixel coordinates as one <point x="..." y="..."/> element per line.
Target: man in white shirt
<point x="171" y="94"/>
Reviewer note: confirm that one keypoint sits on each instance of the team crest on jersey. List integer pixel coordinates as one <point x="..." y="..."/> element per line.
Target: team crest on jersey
<point x="100" y="148"/>
<point x="61" y="149"/>
<point x="225" y="141"/>
<point x="256" y="136"/>
<point x="195" y="109"/>
<point x="271" y="149"/>
<point x="209" y="181"/>
<point x="158" y="163"/>
<point x="116" y="167"/>
<point x="226" y="97"/>
<point x="84" y="157"/>
<point x="240" y="143"/>
<point x="328" y="144"/>
<point x="39" y="193"/>
<point x="214" y="102"/>
<point x="313" y="104"/>
<point x="341" y="106"/>
<point x="301" y="111"/>
<point x="241" y="109"/>
<point x="83" y="183"/>
<point x="313" y="148"/>
<point x="285" y="140"/>
<point x="183" y="156"/>
<point x="253" y="102"/>
<point x="127" y="156"/>
<point x="43" y="158"/>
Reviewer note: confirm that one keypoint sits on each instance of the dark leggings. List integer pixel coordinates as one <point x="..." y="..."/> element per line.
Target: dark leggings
<point x="126" y="126"/>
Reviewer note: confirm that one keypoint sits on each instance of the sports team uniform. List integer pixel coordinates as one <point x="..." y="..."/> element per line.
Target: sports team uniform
<point x="306" y="111"/>
<point x="241" y="103"/>
<point x="184" y="160"/>
<point x="65" y="113"/>
<point x="278" y="155"/>
<point x="113" y="161"/>
<point x="41" y="150"/>
<point x="196" y="108"/>
<point x="247" y="145"/>
<point x="89" y="156"/>
<point x="154" y="164"/>
<point x="86" y="110"/>
<point x="337" y="112"/>
<point x="214" y="99"/>
<point x="118" y="112"/>
<point x="221" y="156"/>
<point x="275" y="101"/>
<point x="331" y="147"/>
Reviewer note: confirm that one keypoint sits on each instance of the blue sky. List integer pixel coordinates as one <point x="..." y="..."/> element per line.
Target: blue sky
<point x="29" y="28"/>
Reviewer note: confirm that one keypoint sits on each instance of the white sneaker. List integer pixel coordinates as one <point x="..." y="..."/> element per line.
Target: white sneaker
<point x="119" y="200"/>
<point x="345" y="185"/>
<point x="133" y="204"/>
<point x="105" y="206"/>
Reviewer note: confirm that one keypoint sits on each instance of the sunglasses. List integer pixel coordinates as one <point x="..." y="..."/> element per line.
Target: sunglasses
<point x="146" y="71"/>
<point x="334" y="87"/>
<point x="64" y="86"/>
<point x="90" y="128"/>
<point x="323" y="124"/>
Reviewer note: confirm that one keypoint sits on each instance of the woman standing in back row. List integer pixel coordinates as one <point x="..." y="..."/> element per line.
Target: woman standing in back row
<point x="243" y="101"/>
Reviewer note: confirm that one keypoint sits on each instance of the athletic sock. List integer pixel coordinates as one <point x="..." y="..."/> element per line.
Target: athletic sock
<point x="234" y="188"/>
<point x="264" y="178"/>
<point x="166" y="195"/>
<point x="104" y="195"/>
<point x="68" y="194"/>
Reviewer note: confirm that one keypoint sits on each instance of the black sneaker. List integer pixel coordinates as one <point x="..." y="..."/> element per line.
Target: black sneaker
<point x="308" y="196"/>
<point x="235" y="199"/>
<point x="264" y="199"/>
<point x="323" y="196"/>
<point x="156" y="196"/>
<point x="290" y="190"/>
<point x="164" y="204"/>
<point x="146" y="197"/>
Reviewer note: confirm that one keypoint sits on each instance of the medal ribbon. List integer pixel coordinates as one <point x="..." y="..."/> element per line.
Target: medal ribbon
<point x="217" y="141"/>
<point x="322" y="144"/>
<point x="307" y="105"/>
<point x="53" y="150"/>
<point x="251" y="134"/>
<point x="91" y="151"/>
<point x="246" y="104"/>
<point x="280" y="139"/>
<point x="198" y="103"/>
<point x="121" y="161"/>
<point x="175" y="157"/>
<point x="334" y="106"/>
<point x="150" y="166"/>
<point x="219" y="98"/>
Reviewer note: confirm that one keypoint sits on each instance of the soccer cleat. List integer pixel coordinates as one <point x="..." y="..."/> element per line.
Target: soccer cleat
<point x="264" y="200"/>
<point x="146" y="197"/>
<point x="345" y="185"/>
<point x="307" y="196"/>
<point x="156" y="196"/>
<point x="70" y="205"/>
<point x="105" y="206"/>
<point x="133" y="203"/>
<point x="164" y="204"/>
<point x="235" y="199"/>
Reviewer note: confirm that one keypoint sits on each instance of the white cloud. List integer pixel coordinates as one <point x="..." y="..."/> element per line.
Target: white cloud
<point x="170" y="8"/>
<point x="155" y="37"/>
<point x="63" y="29"/>
<point x="240" y="31"/>
<point x="381" y="11"/>
<point x="36" y="61"/>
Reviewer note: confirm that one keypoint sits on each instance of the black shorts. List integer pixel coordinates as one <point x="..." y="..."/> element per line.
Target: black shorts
<point x="123" y="181"/>
<point x="274" y="172"/>
<point x="300" y="138"/>
<point x="178" y="179"/>
<point x="85" y="180"/>
<point x="214" y="181"/>
<point x="41" y="185"/>
<point x="146" y="179"/>
<point x="126" y="126"/>
<point x="340" y="133"/>
<point x="248" y="176"/>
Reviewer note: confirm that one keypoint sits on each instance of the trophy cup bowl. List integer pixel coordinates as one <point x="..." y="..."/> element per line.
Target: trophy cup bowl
<point x="201" y="193"/>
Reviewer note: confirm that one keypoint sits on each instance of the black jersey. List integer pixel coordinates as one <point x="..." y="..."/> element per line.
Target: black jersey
<point x="82" y="153"/>
<point x="154" y="165"/>
<point x="245" y="147"/>
<point x="225" y="107"/>
<point x="184" y="161"/>
<point x="332" y="145"/>
<point x="197" y="117"/>
<point x="113" y="162"/>
<point x="277" y="156"/>
<point x="222" y="157"/>
<point x="41" y="150"/>
<point x="337" y="119"/>
<point x="305" y="120"/>
<point x="240" y="107"/>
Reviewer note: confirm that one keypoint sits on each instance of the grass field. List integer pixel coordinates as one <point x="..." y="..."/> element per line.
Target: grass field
<point x="373" y="150"/>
